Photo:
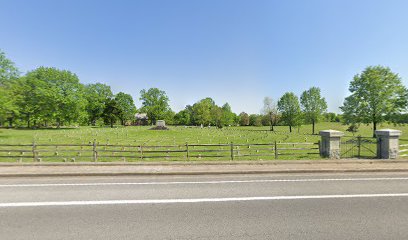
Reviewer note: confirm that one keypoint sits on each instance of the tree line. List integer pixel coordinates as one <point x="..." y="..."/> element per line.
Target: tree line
<point x="48" y="96"/>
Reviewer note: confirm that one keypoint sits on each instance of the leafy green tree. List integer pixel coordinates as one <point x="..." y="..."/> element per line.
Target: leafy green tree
<point x="270" y="109"/>
<point x="255" y="120"/>
<point x="265" y="120"/>
<point x="8" y="74"/>
<point x="202" y="111"/>
<point x="28" y="99"/>
<point x="8" y="108"/>
<point x="313" y="106"/>
<point x="227" y="115"/>
<point x="97" y="96"/>
<point x="183" y="117"/>
<point x="8" y="70"/>
<point x="375" y="94"/>
<point x="59" y="94"/>
<point x="330" y="117"/>
<point x="155" y="103"/>
<point x="289" y="106"/>
<point x="169" y="117"/>
<point x="127" y="108"/>
<point x="111" y="112"/>
<point x="216" y="116"/>
<point x="244" y="119"/>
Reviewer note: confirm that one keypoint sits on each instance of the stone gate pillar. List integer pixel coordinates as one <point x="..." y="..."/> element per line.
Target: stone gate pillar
<point x="387" y="143"/>
<point x="330" y="144"/>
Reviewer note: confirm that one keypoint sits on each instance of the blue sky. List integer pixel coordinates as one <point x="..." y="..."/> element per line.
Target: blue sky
<point x="234" y="51"/>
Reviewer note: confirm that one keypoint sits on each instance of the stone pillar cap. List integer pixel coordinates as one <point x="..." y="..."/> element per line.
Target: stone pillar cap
<point x="388" y="132"/>
<point x="331" y="133"/>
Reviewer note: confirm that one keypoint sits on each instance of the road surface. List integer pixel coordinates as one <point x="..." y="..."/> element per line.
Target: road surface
<point x="286" y="206"/>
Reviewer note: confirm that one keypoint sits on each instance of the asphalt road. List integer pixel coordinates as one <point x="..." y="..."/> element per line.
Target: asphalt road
<point x="310" y="206"/>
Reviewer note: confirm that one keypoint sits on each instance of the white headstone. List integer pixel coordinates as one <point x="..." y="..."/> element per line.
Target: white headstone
<point x="160" y="123"/>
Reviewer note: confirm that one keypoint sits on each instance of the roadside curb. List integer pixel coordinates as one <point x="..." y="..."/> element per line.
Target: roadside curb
<point x="196" y="163"/>
<point x="202" y="173"/>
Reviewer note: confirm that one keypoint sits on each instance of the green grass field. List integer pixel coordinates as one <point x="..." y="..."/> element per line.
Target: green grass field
<point x="142" y="136"/>
<point x="177" y="135"/>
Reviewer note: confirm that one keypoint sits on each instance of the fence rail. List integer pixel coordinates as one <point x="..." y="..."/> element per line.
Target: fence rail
<point x="94" y="152"/>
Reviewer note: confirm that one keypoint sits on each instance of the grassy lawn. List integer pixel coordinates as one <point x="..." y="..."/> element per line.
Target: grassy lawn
<point x="177" y="135"/>
<point x="142" y="136"/>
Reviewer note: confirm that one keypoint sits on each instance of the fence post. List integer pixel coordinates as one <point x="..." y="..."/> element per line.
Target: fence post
<point x="187" y="152"/>
<point x="141" y="152"/>
<point x="95" y="153"/>
<point x="276" y="150"/>
<point x="359" y="146"/>
<point x="34" y="152"/>
<point x="232" y="150"/>
<point x="330" y="143"/>
<point x="387" y="143"/>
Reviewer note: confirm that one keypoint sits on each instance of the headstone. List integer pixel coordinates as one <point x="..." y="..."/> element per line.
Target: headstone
<point x="160" y="123"/>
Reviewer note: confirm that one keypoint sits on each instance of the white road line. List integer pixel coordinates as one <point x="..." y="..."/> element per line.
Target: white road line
<point x="195" y="200"/>
<point x="201" y="182"/>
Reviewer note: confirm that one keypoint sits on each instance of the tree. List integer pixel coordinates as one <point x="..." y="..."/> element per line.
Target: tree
<point x="244" y="119"/>
<point x="30" y="103"/>
<point x="255" y="120"/>
<point x="330" y="117"/>
<point x="313" y="106"/>
<point x="184" y="116"/>
<point x="97" y="96"/>
<point x="127" y="108"/>
<point x="59" y="95"/>
<point x="288" y="105"/>
<point x="216" y="116"/>
<point x="155" y="103"/>
<point x="271" y="110"/>
<point x="8" y="74"/>
<point x="202" y="111"/>
<point x="111" y="112"/>
<point x="8" y="108"/>
<point x="8" y="70"/>
<point x="375" y="94"/>
<point x="227" y="115"/>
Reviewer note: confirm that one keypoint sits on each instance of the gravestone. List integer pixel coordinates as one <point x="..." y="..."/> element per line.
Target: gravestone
<point x="160" y="123"/>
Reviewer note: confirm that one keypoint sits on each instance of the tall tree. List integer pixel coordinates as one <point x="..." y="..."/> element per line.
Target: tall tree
<point x="255" y="120"/>
<point x="155" y="103"/>
<point x="313" y="106"/>
<point x="29" y="99"/>
<point x="8" y="74"/>
<point x="127" y="108"/>
<point x="216" y="116"/>
<point x="202" y="111"/>
<point x="244" y="119"/>
<point x="59" y="93"/>
<point x="271" y="110"/>
<point x="97" y="96"/>
<point x="8" y="70"/>
<point x="111" y="112"/>
<point x="288" y="105"/>
<point x="227" y="115"/>
<point x="375" y="94"/>
<point x="183" y="117"/>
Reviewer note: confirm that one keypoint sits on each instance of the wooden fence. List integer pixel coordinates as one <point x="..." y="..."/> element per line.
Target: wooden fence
<point x="95" y="152"/>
